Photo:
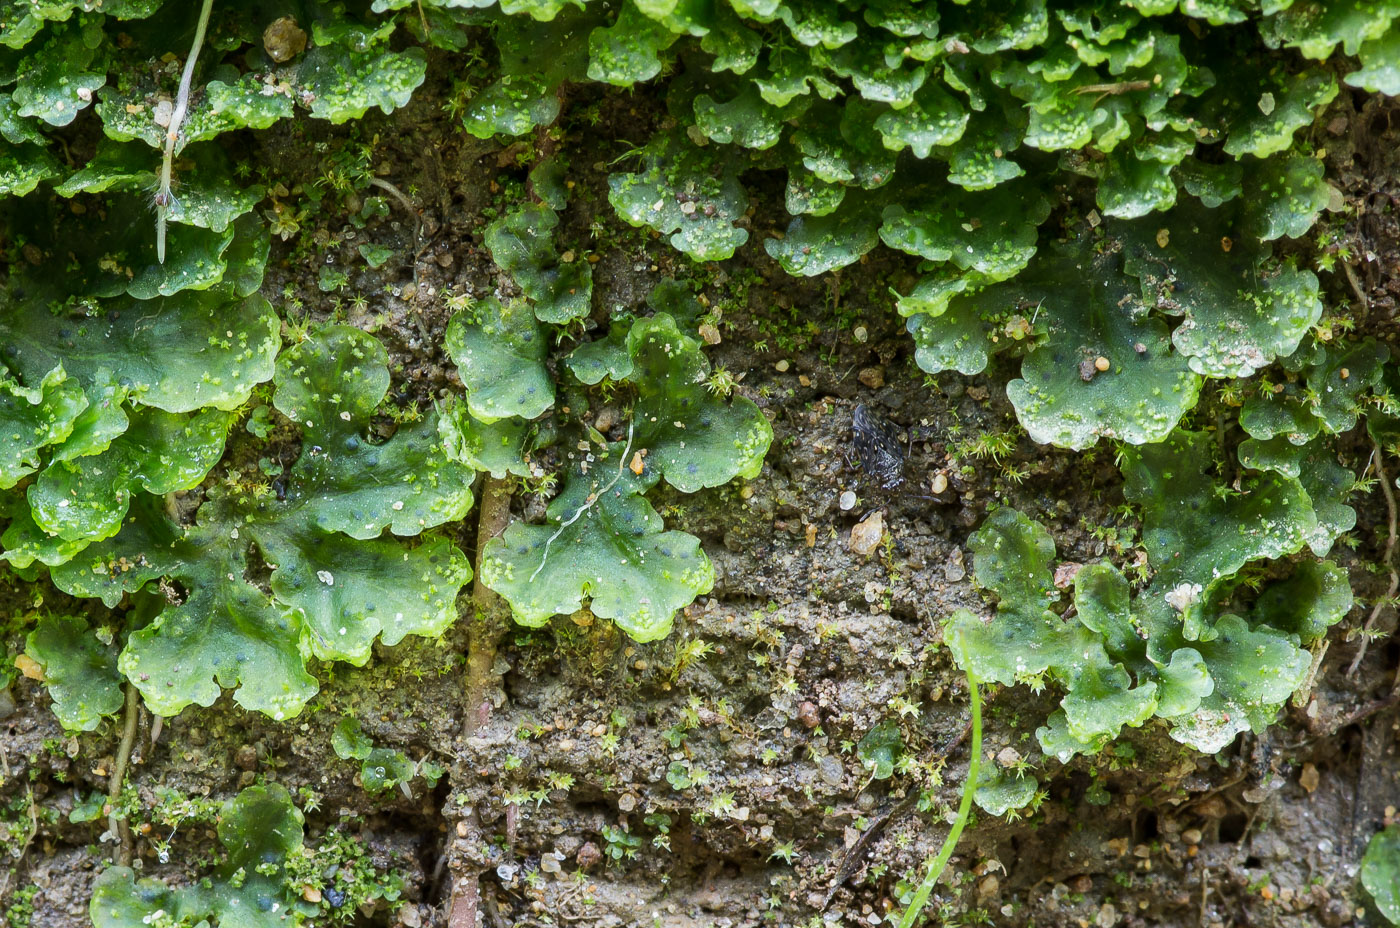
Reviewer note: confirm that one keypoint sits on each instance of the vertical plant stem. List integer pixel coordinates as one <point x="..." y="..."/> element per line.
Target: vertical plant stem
<point x="935" y="867"/>
<point x="118" y="826"/>
<point x="487" y="622"/>
<point x="490" y="614"/>
<point x="172" y="132"/>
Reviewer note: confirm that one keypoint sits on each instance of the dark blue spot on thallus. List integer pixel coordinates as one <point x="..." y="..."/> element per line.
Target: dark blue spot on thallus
<point x="665" y="552"/>
<point x="352" y="443"/>
<point x="692" y="468"/>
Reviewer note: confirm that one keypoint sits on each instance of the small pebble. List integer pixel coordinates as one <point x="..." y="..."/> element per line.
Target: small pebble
<point x="808" y="715"/>
<point x="283" y="39"/>
<point x="860" y="335"/>
<point x="246" y="757"/>
<point x="873" y="377"/>
<point x="866" y="535"/>
<point x="1101" y="363"/>
<point x="848" y="500"/>
<point x="782" y="366"/>
<point x="588" y="855"/>
<point x="35" y="671"/>
<point x="956" y="569"/>
<point x="607" y="418"/>
<point x="940" y="483"/>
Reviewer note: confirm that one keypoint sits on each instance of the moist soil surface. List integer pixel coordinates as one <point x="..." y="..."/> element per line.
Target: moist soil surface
<point x="714" y="778"/>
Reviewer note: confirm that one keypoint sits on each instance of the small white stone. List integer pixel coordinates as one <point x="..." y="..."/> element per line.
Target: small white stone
<point x="325" y="577"/>
<point x="848" y="500"/>
<point x="1183" y="595"/>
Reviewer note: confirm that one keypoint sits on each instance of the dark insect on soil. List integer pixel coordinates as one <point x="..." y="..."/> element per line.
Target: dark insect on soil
<point x="877" y="448"/>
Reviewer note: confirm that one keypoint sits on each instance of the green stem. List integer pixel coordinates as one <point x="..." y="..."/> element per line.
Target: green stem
<point x="172" y="132"/>
<point x="935" y="867"/>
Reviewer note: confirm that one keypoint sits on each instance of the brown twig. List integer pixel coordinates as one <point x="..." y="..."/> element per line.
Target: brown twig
<point x="851" y="859"/>
<point x="1205" y="890"/>
<point x="118" y="826"/>
<point x="404" y="201"/>
<point x="1389" y="563"/>
<point x="1116" y="88"/>
<point x="490" y="614"/>
<point x="1356" y="287"/>
<point x="489" y="617"/>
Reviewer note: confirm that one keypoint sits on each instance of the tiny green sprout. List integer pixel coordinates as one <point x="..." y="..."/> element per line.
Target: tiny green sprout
<point x="905" y="706"/>
<point x="619" y="845"/>
<point x="1016" y="475"/>
<point x="784" y="851"/>
<point x="721" y="381"/>
<point x="722" y="804"/>
<point x="687" y="653"/>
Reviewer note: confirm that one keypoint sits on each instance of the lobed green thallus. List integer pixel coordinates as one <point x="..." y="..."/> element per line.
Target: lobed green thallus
<point x="1100" y="192"/>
